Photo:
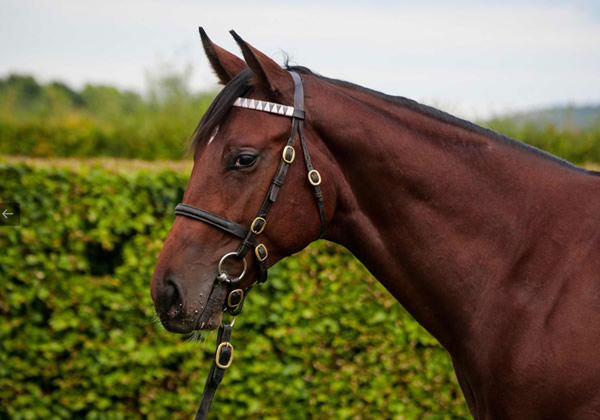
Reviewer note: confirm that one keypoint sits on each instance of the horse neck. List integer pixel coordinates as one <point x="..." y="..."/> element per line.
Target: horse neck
<point x="438" y="212"/>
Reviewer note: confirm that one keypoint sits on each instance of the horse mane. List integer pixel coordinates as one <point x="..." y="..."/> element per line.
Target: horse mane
<point x="240" y="84"/>
<point x="444" y="117"/>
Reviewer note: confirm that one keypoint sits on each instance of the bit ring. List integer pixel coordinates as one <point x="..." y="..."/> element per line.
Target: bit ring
<point x="223" y="275"/>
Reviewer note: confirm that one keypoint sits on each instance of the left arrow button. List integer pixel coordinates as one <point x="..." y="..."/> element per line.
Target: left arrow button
<point x="10" y="214"/>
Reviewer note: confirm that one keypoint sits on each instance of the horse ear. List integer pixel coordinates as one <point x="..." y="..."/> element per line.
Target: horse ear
<point x="269" y="73"/>
<point x="225" y="64"/>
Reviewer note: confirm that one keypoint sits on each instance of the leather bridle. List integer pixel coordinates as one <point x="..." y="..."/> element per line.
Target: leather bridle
<point x="250" y="236"/>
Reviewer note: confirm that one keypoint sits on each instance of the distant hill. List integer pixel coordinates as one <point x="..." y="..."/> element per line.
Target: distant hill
<point x="561" y="116"/>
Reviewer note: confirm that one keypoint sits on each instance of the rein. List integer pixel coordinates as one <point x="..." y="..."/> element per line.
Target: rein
<point x="236" y="295"/>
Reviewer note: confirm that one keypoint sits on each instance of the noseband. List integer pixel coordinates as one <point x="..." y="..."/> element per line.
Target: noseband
<point x="250" y="236"/>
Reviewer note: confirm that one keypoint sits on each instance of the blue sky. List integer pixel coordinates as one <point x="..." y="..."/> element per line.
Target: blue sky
<point x="473" y="59"/>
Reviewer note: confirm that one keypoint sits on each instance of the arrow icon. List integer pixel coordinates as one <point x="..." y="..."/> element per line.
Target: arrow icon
<point x="10" y="214"/>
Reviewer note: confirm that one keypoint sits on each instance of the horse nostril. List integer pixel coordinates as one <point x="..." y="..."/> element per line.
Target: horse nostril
<point x="170" y="300"/>
<point x="170" y="292"/>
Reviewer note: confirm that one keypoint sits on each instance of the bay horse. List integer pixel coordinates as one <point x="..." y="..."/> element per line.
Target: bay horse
<point x="492" y="245"/>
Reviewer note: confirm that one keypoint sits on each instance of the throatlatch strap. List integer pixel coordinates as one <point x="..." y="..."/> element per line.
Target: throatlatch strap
<point x="299" y="114"/>
<point x="298" y="96"/>
<point x="316" y="187"/>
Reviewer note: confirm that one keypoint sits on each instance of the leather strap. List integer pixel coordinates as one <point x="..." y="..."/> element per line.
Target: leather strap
<point x="299" y="106"/>
<point x="211" y="219"/>
<point x="224" y="355"/>
<point x="316" y="188"/>
<point x="298" y="96"/>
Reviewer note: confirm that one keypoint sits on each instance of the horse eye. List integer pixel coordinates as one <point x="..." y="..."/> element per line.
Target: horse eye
<point x="245" y="160"/>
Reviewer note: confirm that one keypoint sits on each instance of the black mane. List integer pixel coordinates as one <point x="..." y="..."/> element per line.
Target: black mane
<point x="240" y="84"/>
<point x="443" y="116"/>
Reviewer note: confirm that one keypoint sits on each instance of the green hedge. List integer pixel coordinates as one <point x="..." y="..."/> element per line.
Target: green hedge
<point x="79" y="339"/>
<point x="80" y="135"/>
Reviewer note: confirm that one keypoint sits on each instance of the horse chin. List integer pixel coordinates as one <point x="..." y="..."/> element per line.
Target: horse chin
<point x="213" y="321"/>
<point x="211" y="316"/>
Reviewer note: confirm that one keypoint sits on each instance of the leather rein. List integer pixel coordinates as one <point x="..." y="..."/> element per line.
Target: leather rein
<point x="250" y="236"/>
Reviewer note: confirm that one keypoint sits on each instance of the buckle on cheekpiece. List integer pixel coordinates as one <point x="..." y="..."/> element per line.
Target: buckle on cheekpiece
<point x="258" y="225"/>
<point x="288" y="154"/>
<point x="261" y="252"/>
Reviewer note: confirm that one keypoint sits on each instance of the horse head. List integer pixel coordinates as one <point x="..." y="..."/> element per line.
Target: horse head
<point x="239" y="156"/>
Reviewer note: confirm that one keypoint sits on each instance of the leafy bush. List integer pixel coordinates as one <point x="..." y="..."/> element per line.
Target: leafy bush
<point x="321" y="339"/>
<point x="55" y="120"/>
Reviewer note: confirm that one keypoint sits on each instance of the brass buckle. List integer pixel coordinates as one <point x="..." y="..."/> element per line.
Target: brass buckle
<point x="318" y="175"/>
<point x="218" y="355"/>
<point x="231" y="305"/>
<point x="286" y="150"/>
<point x="259" y="254"/>
<point x="261" y="227"/>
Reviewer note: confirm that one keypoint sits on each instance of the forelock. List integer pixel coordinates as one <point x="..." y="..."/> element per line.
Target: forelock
<point x="220" y="107"/>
